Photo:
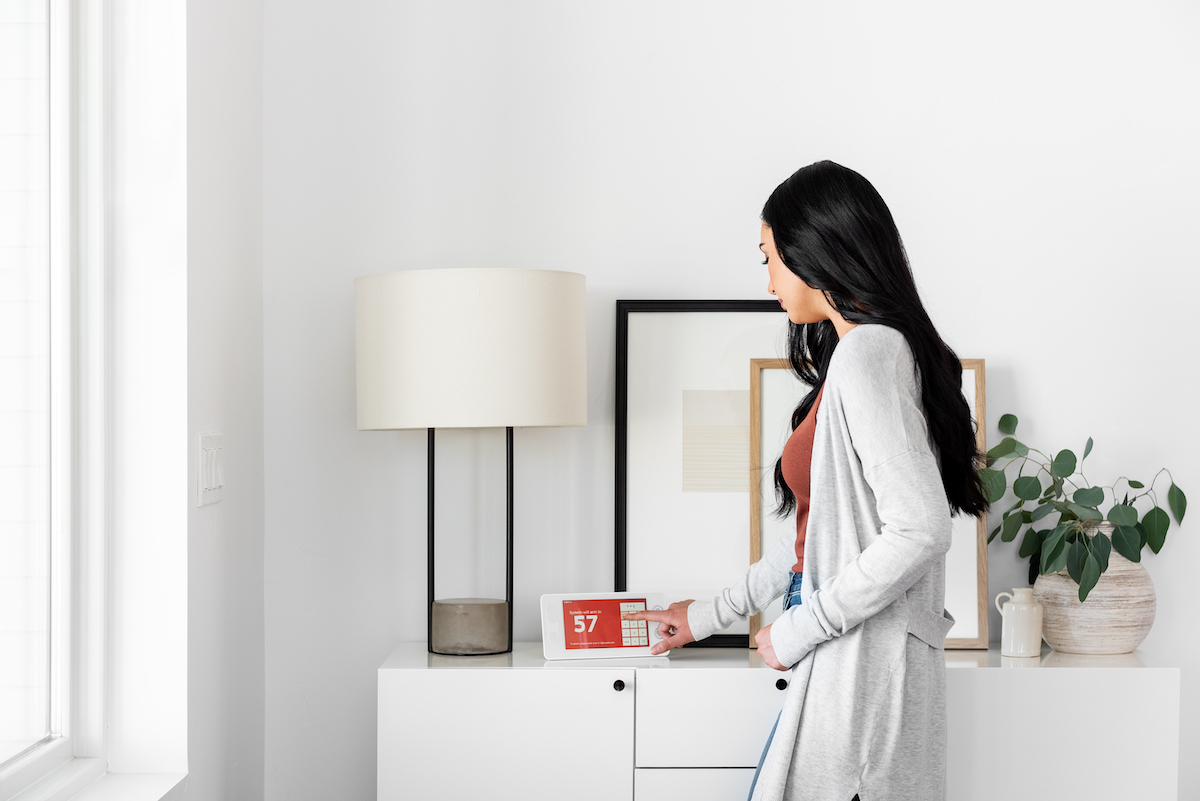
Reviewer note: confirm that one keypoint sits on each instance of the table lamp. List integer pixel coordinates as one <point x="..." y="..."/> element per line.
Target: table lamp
<point x="470" y="348"/>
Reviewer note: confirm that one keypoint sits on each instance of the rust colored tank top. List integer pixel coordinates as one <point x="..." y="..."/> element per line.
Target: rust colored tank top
<point x="797" y="468"/>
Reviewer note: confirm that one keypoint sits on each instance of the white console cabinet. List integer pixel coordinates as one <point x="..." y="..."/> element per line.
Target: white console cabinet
<point x="692" y="727"/>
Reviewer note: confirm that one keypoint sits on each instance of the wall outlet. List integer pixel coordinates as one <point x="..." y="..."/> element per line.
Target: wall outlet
<point x="211" y="471"/>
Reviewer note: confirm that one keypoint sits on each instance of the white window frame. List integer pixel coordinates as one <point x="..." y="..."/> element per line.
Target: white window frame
<point x="118" y="737"/>
<point x="72" y="757"/>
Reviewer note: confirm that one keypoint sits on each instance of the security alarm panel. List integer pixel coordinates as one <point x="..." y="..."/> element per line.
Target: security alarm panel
<point x="589" y="625"/>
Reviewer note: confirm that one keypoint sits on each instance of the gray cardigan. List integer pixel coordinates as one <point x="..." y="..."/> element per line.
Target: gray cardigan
<point x="866" y="707"/>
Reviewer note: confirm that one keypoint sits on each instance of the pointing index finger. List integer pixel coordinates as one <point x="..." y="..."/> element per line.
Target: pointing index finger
<point x="657" y="617"/>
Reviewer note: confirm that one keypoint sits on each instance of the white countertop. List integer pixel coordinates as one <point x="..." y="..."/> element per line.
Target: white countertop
<point x="415" y="656"/>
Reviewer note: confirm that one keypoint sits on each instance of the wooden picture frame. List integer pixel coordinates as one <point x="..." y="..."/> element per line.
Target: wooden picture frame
<point x="979" y="639"/>
<point x="966" y="565"/>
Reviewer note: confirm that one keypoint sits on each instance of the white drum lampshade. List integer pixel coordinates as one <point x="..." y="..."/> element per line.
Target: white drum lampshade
<point x="470" y="348"/>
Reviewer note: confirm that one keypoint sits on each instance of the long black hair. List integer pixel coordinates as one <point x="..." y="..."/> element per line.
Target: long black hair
<point x="833" y="230"/>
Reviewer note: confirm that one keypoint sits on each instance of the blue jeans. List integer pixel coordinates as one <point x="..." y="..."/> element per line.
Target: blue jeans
<point x="791" y="597"/>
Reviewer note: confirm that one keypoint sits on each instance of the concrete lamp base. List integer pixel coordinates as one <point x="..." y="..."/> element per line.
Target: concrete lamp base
<point x="469" y="626"/>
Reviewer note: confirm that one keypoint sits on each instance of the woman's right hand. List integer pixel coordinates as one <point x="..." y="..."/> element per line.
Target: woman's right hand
<point x="672" y="625"/>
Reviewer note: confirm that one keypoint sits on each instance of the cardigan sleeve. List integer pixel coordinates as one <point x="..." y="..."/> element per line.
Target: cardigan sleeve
<point x="762" y="583"/>
<point x="879" y="395"/>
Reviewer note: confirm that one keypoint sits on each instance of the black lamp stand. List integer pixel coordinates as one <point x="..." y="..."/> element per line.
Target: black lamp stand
<point x="508" y="581"/>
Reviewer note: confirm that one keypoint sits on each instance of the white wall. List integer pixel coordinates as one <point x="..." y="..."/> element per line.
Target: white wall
<point x="1039" y="158"/>
<point x="226" y="704"/>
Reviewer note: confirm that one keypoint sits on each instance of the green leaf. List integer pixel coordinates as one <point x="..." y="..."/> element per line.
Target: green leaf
<point x="1008" y="424"/>
<point x="1135" y="484"/>
<point x="1035" y="562"/>
<point x="1142" y="535"/>
<point x="1065" y="509"/>
<point x="1051" y="537"/>
<point x="1031" y="544"/>
<point x="995" y="531"/>
<point x="1027" y="488"/>
<point x="1128" y="542"/>
<point x="1057" y="558"/>
<point x="1075" y="556"/>
<point x="1122" y="515"/>
<point x="994" y="483"/>
<point x="1156" y="522"/>
<point x="1101" y="548"/>
<point x="1006" y="447"/>
<point x="1040" y="512"/>
<point x="991" y="460"/>
<point x="1090" y="575"/>
<point x="1089" y="496"/>
<point x="1011" y="524"/>
<point x="1177" y="501"/>
<point x="1085" y="512"/>
<point x="1050" y="555"/>
<point x="1087" y="448"/>
<point x="1064" y="464"/>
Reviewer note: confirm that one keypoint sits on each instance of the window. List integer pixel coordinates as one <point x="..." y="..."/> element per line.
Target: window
<point x="44" y="673"/>
<point x="75" y="657"/>
<point x="27" y="652"/>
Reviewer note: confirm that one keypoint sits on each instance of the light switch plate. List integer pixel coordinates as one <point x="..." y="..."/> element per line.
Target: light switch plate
<point x="211" y="469"/>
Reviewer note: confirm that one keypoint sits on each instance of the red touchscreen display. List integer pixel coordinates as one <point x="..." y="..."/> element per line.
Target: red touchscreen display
<point x="598" y="624"/>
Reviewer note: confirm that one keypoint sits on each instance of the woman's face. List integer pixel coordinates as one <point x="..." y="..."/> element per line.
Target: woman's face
<point x="803" y="303"/>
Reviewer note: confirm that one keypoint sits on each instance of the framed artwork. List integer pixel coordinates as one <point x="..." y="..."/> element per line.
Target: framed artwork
<point x="775" y="391"/>
<point x="683" y="443"/>
<point x="704" y="398"/>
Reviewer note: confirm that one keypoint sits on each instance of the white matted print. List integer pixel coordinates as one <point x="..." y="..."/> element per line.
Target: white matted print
<point x="686" y="525"/>
<point x="716" y="440"/>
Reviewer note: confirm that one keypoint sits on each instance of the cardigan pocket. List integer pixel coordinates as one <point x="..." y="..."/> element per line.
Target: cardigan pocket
<point x="930" y="627"/>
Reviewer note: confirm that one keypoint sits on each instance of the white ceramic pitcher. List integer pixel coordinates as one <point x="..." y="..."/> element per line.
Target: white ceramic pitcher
<point x="1021" y="634"/>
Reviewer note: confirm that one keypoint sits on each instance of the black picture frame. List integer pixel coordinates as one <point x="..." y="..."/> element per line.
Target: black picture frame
<point x="621" y="517"/>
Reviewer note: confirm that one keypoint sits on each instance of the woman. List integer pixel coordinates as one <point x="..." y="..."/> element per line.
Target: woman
<point x="893" y="456"/>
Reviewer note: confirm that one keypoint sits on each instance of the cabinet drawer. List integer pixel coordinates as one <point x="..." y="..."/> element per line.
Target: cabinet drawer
<point x="694" y="784"/>
<point x="705" y="718"/>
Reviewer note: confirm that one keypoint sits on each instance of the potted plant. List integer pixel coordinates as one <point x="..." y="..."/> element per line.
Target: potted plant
<point x="1071" y="543"/>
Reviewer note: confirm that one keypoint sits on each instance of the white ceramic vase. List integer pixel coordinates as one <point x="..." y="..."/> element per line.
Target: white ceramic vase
<point x="1115" y="618"/>
<point x="1021" y="632"/>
